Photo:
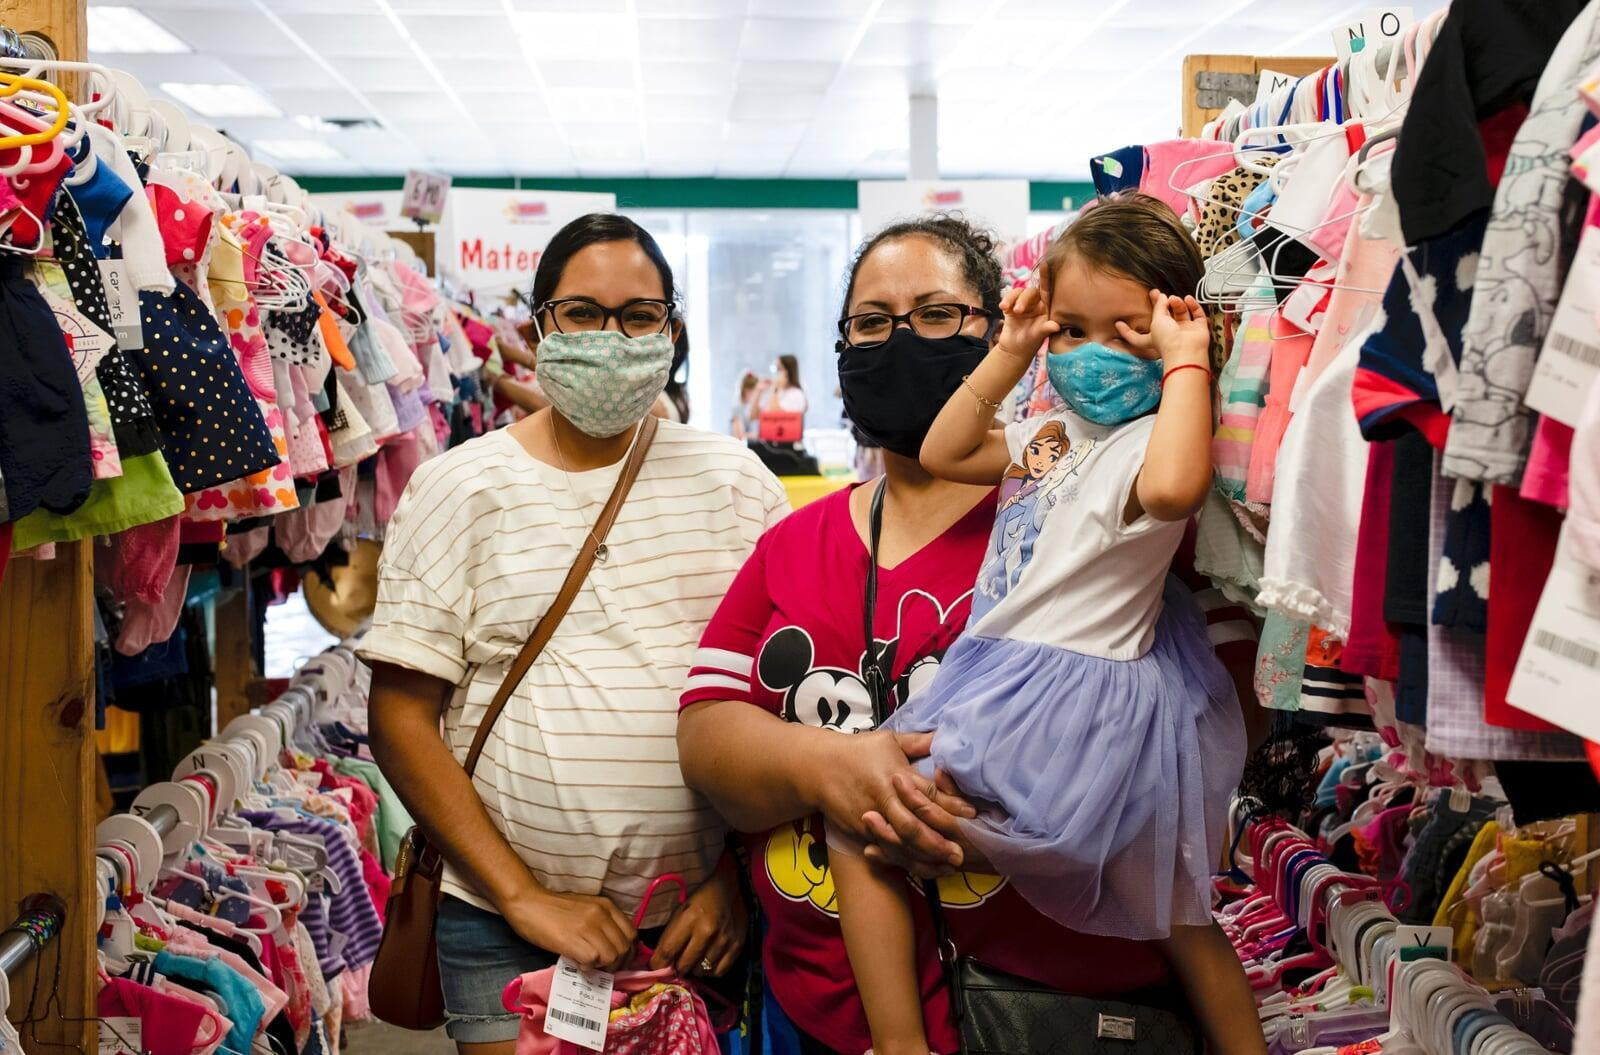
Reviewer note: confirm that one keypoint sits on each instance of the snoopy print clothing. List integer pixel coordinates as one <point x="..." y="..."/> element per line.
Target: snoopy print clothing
<point x="790" y="641"/>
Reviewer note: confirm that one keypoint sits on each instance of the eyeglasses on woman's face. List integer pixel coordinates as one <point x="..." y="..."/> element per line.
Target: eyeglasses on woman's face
<point x="635" y="318"/>
<point x="934" y="321"/>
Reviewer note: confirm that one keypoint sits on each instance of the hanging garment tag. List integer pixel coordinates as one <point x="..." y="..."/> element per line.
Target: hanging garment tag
<point x="580" y="1005"/>
<point x="121" y="1036"/>
<point x="1426" y="938"/>
<point x="1377" y="25"/>
<point x="1272" y="81"/>
<point x="87" y="342"/>
<point x="1570" y="359"/>
<point x="124" y="303"/>
<point x="1558" y="673"/>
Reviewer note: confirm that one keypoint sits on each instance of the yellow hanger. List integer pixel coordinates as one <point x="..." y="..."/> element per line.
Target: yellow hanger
<point x="11" y="84"/>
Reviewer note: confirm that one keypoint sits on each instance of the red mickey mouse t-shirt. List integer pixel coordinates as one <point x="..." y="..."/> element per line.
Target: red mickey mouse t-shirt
<point x="789" y="637"/>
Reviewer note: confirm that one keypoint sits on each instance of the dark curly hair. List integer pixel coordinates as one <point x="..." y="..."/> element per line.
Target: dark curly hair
<point x="973" y="247"/>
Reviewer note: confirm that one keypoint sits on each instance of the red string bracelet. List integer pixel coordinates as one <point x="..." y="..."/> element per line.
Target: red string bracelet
<point x="1185" y="366"/>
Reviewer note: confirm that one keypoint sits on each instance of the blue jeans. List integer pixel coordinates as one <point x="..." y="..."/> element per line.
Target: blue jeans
<point x="479" y="955"/>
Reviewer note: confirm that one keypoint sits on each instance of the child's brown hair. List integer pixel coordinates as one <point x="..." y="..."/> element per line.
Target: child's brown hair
<point x="1130" y="234"/>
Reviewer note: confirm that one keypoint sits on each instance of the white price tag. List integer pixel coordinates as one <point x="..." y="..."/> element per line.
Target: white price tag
<point x="123" y="300"/>
<point x="1376" y="25"/>
<point x="1426" y="937"/>
<point x="1272" y="81"/>
<point x="1570" y="359"/>
<point x="121" y="1036"/>
<point x="580" y="1005"/>
<point x="1558" y="673"/>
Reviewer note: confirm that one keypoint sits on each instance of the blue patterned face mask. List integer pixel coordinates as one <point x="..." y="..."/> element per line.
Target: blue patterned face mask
<point x="1105" y="386"/>
<point x="603" y="381"/>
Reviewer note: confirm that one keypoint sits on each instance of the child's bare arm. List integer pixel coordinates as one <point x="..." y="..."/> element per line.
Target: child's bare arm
<point x="879" y="934"/>
<point x="963" y="444"/>
<point x="1208" y="968"/>
<point x="1177" y="464"/>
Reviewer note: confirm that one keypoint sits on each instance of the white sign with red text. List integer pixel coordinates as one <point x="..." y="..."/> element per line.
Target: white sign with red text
<point x="493" y="239"/>
<point x="998" y="204"/>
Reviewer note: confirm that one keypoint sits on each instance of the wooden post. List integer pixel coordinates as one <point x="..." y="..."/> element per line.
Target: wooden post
<point x="47" y="777"/>
<point x="235" y="668"/>
<point x="47" y="760"/>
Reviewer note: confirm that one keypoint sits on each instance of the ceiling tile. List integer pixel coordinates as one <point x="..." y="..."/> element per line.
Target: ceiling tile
<point x="691" y="8"/>
<point x="495" y="105"/>
<point x="244" y="32"/>
<point x="579" y="6"/>
<point x="872" y="82"/>
<point x="948" y="12"/>
<point x="572" y="104"/>
<point x="771" y="75"/>
<point x="416" y="107"/>
<point x="840" y="9"/>
<point x="715" y="39"/>
<point x="908" y="43"/>
<point x="796" y="39"/>
<point x="688" y="78"/>
<point x="384" y="75"/>
<point x="323" y="102"/>
<point x="766" y="132"/>
<point x="349" y="36"/>
<point x="486" y="75"/>
<point x="771" y="106"/>
<point x="560" y="74"/>
<point x="698" y="109"/>
<point x="288" y="71"/>
<point x="474" y="36"/>
<point x="444" y="7"/>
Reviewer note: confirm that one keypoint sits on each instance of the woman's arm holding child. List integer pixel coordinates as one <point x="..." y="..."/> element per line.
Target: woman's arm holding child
<point x="963" y="444"/>
<point x="1177" y="464"/>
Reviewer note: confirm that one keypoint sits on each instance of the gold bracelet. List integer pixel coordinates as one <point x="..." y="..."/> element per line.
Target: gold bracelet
<point x="983" y="402"/>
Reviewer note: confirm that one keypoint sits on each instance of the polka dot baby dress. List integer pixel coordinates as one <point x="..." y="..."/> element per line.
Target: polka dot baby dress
<point x="270" y="490"/>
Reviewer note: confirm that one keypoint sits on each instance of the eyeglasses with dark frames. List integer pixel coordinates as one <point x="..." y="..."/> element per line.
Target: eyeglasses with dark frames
<point x="869" y="329"/>
<point x="639" y="317"/>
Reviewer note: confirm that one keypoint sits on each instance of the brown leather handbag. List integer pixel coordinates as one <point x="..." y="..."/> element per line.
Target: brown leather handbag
<point x="404" y="989"/>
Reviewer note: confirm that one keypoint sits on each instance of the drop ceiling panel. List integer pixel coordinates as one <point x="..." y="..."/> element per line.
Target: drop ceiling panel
<point x="747" y="87"/>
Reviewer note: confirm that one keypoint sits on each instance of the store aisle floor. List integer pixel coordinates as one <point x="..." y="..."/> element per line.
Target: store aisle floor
<point x="375" y="1038"/>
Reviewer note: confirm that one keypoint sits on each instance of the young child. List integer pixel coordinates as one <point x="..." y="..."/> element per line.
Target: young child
<point x="1084" y="707"/>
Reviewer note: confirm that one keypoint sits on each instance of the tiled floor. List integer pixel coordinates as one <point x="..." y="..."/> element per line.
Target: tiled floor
<point x="375" y="1038"/>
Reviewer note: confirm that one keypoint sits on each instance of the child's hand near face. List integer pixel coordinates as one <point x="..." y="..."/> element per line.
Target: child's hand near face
<point x="1179" y="333"/>
<point x="1028" y="324"/>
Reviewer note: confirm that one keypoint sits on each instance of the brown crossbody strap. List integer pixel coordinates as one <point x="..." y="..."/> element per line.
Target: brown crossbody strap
<point x="569" y="589"/>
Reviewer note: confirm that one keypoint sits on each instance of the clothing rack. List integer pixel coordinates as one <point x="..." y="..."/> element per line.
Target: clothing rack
<point x="30" y="932"/>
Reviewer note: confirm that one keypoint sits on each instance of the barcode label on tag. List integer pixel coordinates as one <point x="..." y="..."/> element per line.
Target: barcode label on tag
<point x="1589" y="657"/>
<point x="1557" y="677"/>
<point x="580" y="1005"/>
<point x="575" y="1020"/>
<point x="1579" y="350"/>
<point x="121" y="1036"/>
<point x="1569" y="361"/>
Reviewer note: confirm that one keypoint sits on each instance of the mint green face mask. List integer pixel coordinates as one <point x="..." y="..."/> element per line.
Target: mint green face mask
<point x="604" y="381"/>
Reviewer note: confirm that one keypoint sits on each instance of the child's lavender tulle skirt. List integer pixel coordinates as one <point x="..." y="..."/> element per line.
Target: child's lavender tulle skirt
<point x="1109" y="779"/>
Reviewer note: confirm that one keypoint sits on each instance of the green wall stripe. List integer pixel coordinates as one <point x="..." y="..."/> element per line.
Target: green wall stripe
<point x="694" y="193"/>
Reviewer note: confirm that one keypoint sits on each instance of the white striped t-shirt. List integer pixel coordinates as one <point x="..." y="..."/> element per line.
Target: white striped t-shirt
<point x="581" y="771"/>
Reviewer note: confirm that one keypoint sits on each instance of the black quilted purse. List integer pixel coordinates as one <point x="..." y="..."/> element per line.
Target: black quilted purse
<point x="1001" y="1014"/>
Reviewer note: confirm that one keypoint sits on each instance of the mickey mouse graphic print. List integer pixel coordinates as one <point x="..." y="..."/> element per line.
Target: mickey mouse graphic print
<point x="788" y="637"/>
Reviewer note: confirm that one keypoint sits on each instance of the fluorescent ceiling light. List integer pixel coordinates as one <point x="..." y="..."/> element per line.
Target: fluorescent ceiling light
<point x="126" y="30"/>
<point x="222" y="100"/>
<point x="297" y="149"/>
<point x="313" y="123"/>
<point x="564" y="35"/>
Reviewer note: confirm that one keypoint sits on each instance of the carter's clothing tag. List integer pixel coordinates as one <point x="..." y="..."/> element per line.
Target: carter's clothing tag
<point x="124" y="304"/>
<point x="580" y="1005"/>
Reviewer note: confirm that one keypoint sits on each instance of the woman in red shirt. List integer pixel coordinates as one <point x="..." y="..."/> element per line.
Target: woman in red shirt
<point x="789" y="638"/>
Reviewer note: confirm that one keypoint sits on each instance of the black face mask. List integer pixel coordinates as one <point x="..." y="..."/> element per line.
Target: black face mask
<point x="893" y="391"/>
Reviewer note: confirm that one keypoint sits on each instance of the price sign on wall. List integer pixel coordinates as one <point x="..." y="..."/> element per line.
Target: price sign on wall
<point x="424" y="196"/>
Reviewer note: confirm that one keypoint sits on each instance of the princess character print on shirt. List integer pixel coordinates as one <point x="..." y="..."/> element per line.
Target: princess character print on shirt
<point x="1030" y="490"/>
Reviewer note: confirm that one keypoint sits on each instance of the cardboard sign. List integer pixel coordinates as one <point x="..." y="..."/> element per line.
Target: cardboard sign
<point x="424" y="196"/>
<point x="494" y="238"/>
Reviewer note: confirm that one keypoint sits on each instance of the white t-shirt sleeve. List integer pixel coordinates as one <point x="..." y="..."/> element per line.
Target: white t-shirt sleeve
<point x="1116" y="473"/>
<point x="793" y="401"/>
<point x="417" y="623"/>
